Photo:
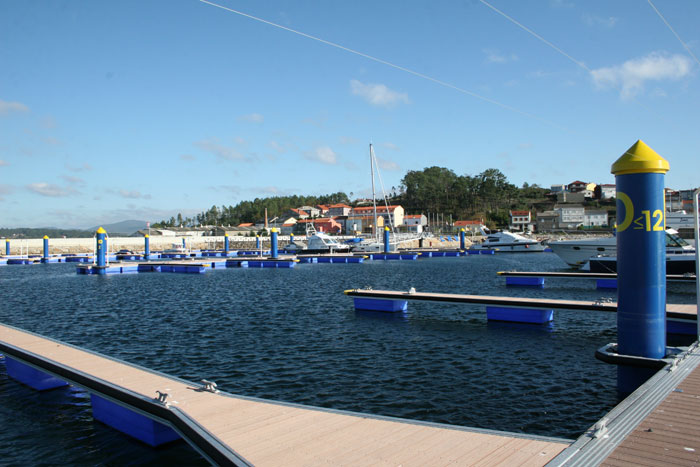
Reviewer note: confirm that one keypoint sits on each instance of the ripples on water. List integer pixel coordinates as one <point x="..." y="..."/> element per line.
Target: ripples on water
<point x="292" y="335"/>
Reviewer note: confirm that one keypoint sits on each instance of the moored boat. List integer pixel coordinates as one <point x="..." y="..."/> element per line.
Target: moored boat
<point x="509" y="242"/>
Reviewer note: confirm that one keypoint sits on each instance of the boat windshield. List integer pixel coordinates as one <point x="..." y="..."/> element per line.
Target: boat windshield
<point x="674" y="240"/>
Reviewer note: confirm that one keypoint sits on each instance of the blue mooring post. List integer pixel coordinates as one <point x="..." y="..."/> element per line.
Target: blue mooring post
<point x="462" y="239"/>
<point x="273" y="244"/>
<point x="291" y="238"/>
<point x="46" y="248"/>
<point x="226" y="244"/>
<point x="7" y="247"/>
<point x="386" y="240"/>
<point x="147" y="247"/>
<point x="641" y="261"/>
<point x="184" y="244"/>
<point x="257" y="242"/>
<point x="101" y="250"/>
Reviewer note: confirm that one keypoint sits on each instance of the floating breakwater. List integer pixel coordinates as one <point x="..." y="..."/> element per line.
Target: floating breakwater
<point x="35" y="246"/>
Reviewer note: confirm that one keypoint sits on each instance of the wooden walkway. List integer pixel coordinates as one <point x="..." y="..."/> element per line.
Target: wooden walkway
<point x="657" y="425"/>
<point x="243" y="431"/>
<point x="669" y="435"/>
<point x="672" y="310"/>
<point x="587" y="275"/>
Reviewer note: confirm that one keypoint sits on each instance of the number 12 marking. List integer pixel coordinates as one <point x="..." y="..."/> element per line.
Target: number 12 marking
<point x="658" y="215"/>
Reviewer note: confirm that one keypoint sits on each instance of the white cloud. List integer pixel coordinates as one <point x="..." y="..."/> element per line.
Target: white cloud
<point x="133" y="194"/>
<point x="49" y="189"/>
<point x="3" y="163"/>
<point x="378" y="94"/>
<point x="220" y="151"/>
<point x="608" y="22"/>
<point x="5" y="190"/>
<point x="387" y="164"/>
<point x="7" y="108"/>
<point x="277" y="147"/>
<point x="187" y="157"/>
<point x="73" y="180"/>
<point x="494" y="56"/>
<point x="633" y="74"/>
<point x="253" y="118"/>
<point x="323" y="154"/>
<point x="348" y="140"/>
<point x="389" y="146"/>
<point x="85" y="167"/>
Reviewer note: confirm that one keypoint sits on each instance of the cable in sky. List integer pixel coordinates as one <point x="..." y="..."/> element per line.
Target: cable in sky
<point x="674" y="32"/>
<point x="384" y="62"/>
<point x="523" y="27"/>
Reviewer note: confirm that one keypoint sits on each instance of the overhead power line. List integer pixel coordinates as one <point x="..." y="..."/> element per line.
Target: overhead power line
<point x="393" y="65"/>
<point x="674" y="32"/>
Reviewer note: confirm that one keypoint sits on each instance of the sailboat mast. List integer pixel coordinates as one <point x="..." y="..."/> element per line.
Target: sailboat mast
<point x="374" y="197"/>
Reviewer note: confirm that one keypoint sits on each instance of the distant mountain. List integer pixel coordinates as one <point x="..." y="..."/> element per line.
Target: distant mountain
<point x="123" y="227"/>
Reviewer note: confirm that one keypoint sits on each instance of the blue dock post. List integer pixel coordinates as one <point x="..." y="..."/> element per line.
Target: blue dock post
<point x="462" y="239"/>
<point x="257" y="242"/>
<point x="273" y="243"/>
<point x="7" y="247"/>
<point x="101" y="250"/>
<point x="641" y="260"/>
<point x="291" y="238"/>
<point x="184" y="244"/>
<point x="226" y="244"/>
<point x="147" y="247"/>
<point x="386" y="240"/>
<point x="46" y="249"/>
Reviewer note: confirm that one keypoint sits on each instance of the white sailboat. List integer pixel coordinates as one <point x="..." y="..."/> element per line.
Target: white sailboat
<point x="375" y="244"/>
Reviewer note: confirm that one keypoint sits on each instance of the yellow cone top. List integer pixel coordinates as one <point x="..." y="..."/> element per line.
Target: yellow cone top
<point x="640" y="158"/>
<point x="101" y="231"/>
<point x="386" y="228"/>
<point x="146" y="236"/>
<point x="46" y="237"/>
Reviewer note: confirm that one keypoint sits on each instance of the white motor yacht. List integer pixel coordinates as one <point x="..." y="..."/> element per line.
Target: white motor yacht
<point x="509" y="242"/>
<point x="576" y="253"/>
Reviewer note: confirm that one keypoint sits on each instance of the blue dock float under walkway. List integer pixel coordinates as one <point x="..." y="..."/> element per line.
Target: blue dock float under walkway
<point x="234" y="430"/>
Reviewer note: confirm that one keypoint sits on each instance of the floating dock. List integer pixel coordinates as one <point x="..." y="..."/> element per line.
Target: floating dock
<point x="331" y="258"/>
<point x="681" y="319"/>
<point x="235" y="430"/>
<point x="656" y="425"/>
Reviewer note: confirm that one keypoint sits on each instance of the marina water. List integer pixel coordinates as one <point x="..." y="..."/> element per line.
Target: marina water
<point x="291" y="335"/>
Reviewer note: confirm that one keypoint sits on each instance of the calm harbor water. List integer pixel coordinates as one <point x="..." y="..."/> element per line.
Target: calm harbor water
<point x="292" y="335"/>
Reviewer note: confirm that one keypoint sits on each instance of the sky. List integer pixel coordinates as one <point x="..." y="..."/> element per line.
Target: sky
<point x="142" y="110"/>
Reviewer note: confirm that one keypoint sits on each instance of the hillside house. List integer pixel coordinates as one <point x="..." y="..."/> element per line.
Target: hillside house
<point x="335" y="210"/>
<point x="472" y="226"/>
<point x="595" y="218"/>
<point x="570" y="215"/>
<point x="519" y="220"/>
<point x="547" y="221"/>
<point x="415" y="222"/>
<point x="394" y="215"/>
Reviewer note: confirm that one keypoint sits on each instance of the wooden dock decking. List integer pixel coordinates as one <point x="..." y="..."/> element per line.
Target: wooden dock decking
<point x="242" y="431"/>
<point x="656" y="425"/>
<point x="672" y="310"/>
<point x="587" y="275"/>
<point x="669" y="435"/>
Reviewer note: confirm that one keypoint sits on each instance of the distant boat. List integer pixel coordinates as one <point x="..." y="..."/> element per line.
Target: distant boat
<point x="577" y="253"/>
<point x="509" y="242"/>
<point x="317" y="243"/>
<point x="679" y="263"/>
<point x="375" y="245"/>
<point x="680" y="220"/>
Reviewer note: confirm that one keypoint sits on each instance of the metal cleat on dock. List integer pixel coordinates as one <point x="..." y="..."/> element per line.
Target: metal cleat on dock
<point x="162" y="398"/>
<point x="209" y="386"/>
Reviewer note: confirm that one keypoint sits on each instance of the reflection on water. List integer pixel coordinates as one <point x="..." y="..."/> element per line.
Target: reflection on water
<point x="292" y="335"/>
